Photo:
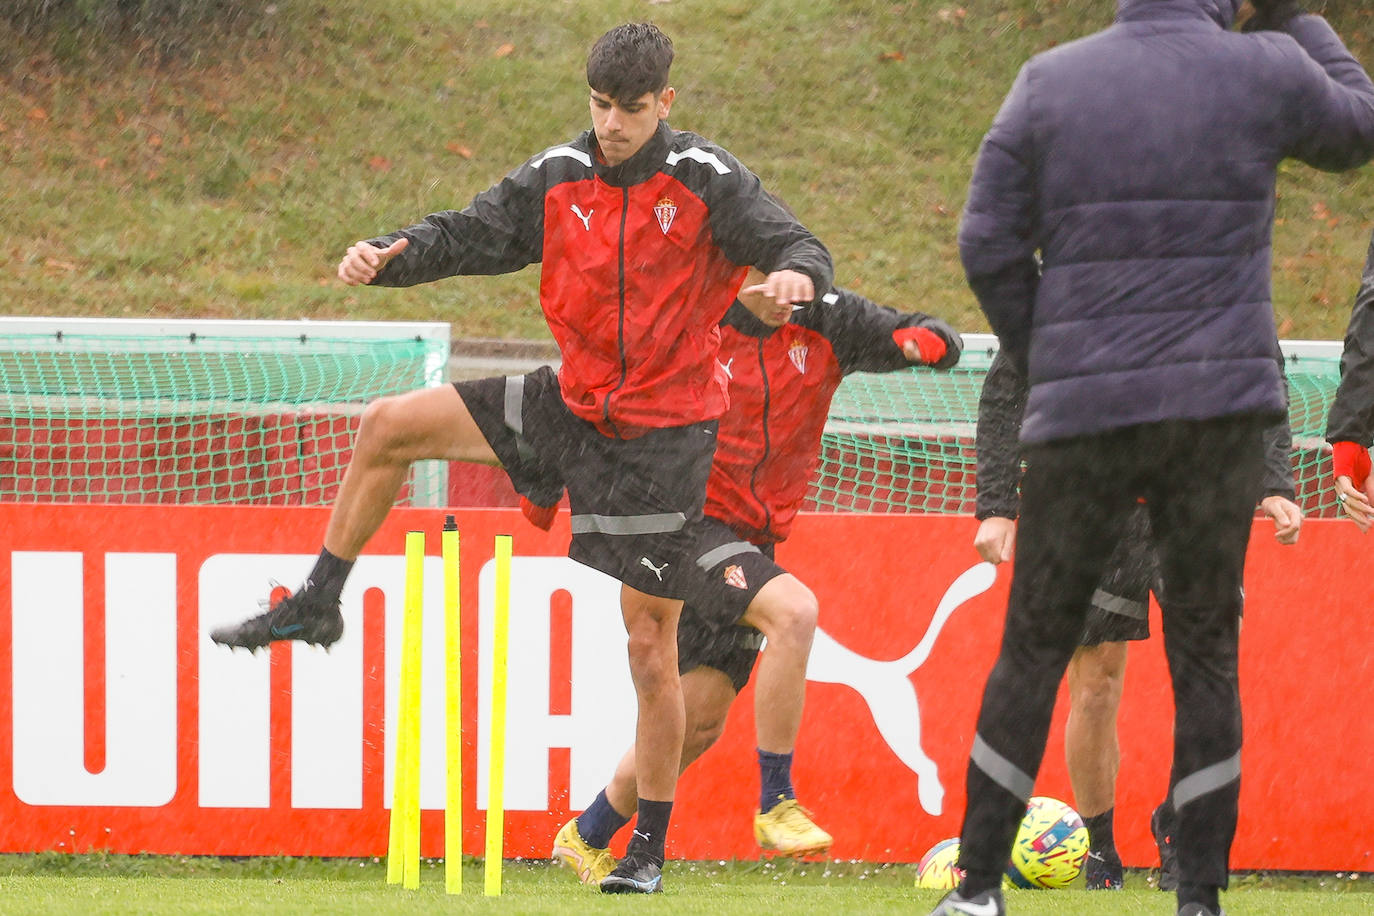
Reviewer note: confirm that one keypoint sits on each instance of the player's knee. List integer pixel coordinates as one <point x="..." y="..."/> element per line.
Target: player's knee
<point x="1098" y="694"/>
<point x="652" y="660"/>
<point x="379" y="425"/>
<point x="787" y="615"/>
<point x="795" y="621"/>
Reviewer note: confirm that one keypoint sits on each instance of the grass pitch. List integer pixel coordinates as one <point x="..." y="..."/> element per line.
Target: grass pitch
<point x="107" y="884"/>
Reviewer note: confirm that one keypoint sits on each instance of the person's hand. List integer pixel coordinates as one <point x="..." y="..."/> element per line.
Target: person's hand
<point x="1271" y="15"/>
<point x="1287" y="516"/>
<point x="785" y="286"/>
<point x="1357" y="503"/>
<point x="1350" y="465"/>
<point x="363" y="261"/>
<point x="995" y="538"/>
<point x="920" y="345"/>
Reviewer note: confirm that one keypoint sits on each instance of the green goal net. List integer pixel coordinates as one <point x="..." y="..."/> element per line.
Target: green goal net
<point x="903" y="442"/>
<point x="203" y="412"/>
<point x="206" y="412"/>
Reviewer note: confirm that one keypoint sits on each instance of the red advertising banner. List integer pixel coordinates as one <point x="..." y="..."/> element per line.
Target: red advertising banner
<point x="125" y="729"/>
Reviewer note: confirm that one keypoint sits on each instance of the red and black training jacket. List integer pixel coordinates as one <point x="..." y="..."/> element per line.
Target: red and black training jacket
<point x="781" y="384"/>
<point x="640" y="263"/>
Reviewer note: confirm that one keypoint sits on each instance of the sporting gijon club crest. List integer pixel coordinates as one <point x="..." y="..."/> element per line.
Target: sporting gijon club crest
<point x="665" y="210"/>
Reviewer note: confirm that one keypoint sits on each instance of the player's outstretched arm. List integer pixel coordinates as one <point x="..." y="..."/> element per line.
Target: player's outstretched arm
<point x="363" y="261"/>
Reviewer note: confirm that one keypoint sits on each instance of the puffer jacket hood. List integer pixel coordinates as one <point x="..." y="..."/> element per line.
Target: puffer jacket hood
<point x="1222" y="12"/>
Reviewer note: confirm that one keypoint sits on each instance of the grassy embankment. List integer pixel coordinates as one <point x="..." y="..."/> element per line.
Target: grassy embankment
<point x="227" y="183"/>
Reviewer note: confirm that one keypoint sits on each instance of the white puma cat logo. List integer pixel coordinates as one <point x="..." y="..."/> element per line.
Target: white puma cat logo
<point x="657" y="570"/>
<point x="886" y="686"/>
<point x="586" y="218"/>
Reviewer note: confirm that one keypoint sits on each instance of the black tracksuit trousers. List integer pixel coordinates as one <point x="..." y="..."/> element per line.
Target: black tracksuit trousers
<point x="1200" y="480"/>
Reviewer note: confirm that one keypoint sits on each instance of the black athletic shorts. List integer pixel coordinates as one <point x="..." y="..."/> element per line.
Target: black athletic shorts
<point x="634" y="501"/>
<point x="1120" y="610"/>
<point x="727" y="574"/>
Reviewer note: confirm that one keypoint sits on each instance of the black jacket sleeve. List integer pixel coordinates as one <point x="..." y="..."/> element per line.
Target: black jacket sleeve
<point x="501" y="231"/>
<point x="752" y="228"/>
<point x="1000" y="407"/>
<point x="860" y="330"/>
<point x="1352" y="413"/>
<point x="1278" y="452"/>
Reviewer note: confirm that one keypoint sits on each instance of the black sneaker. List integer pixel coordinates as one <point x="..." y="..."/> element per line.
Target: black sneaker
<point x="1168" y="856"/>
<point x="634" y="875"/>
<point x="307" y="615"/>
<point x="1197" y="909"/>
<point x="988" y="903"/>
<point x="1103" y="872"/>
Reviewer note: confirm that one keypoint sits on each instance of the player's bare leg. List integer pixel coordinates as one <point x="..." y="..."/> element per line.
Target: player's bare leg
<point x="582" y="843"/>
<point x="785" y="610"/>
<point x="651" y="623"/>
<point x="1096" y="675"/>
<point x="394" y="432"/>
<point x="706" y="696"/>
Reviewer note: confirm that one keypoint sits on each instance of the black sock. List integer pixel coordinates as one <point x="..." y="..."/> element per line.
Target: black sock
<point x="1206" y="894"/>
<point x="1101" y="837"/>
<point x="775" y="779"/>
<point x="977" y="882"/>
<point x="651" y="829"/>
<point x="599" y="822"/>
<point x="329" y="575"/>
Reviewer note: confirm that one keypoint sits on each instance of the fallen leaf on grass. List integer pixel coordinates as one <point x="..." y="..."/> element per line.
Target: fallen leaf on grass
<point x="37" y="114"/>
<point x="458" y="149"/>
<point x="892" y="55"/>
<point x="379" y="164"/>
<point x="505" y="50"/>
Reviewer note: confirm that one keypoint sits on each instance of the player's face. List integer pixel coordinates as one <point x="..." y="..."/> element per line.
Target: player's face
<point x="622" y="127"/>
<point x="764" y="306"/>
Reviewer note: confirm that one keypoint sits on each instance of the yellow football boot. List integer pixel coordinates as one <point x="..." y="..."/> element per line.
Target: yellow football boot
<point x="787" y="828"/>
<point x="590" y="863"/>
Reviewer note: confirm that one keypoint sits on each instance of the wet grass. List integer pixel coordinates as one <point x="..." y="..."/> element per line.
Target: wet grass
<point x="226" y="181"/>
<point x="112" y="884"/>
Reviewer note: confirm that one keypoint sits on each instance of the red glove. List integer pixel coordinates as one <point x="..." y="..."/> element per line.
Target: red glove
<point x="931" y="345"/>
<point x="539" y="516"/>
<point x="1350" y="459"/>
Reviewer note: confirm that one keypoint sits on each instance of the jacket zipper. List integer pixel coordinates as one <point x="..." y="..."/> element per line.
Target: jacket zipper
<point x="767" y="442"/>
<point x="620" y="329"/>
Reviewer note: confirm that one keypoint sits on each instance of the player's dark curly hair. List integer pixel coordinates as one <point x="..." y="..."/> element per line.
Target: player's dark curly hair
<point x="629" y="61"/>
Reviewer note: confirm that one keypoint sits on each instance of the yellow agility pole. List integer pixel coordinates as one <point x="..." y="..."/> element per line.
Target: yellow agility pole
<point x="453" y="715"/>
<point x="496" y="763"/>
<point x="403" y="857"/>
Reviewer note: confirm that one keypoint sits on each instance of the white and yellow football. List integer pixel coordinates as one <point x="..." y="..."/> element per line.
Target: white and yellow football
<point x="1050" y="846"/>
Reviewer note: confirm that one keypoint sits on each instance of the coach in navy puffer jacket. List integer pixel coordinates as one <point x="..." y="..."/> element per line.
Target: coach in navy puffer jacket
<point x="1151" y="296"/>
<point x="1117" y="236"/>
